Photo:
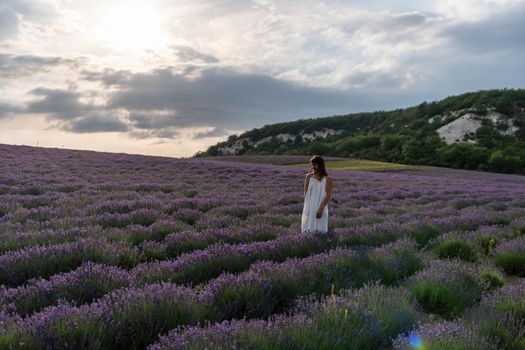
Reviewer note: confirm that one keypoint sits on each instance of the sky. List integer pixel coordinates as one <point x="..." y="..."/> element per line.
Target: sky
<point x="173" y="77"/>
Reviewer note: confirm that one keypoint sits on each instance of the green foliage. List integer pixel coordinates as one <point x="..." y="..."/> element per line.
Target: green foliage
<point x="424" y="234"/>
<point x="486" y="242"/>
<point x="447" y="287"/>
<point x="519" y="121"/>
<point x="368" y="318"/>
<point x="454" y="247"/>
<point x="513" y="262"/>
<point x="487" y="135"/>
<point x="318" y="148"/>
<point x="463" y="155"/>
<point x="506" y="163"/>
<point x="393" y="142"/>
<point x="420" y="150"/>
<point x="493" y="278"/>
<point x="438" y="299"/>
<point x="349" y="145"/>
<point x="398" y="263"/>
<point x="152" y="251"/>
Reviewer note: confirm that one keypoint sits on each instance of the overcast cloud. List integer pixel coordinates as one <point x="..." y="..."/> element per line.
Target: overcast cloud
<point x="7" y="109"/>
<point x="16" y="66"/>
<point x="200" y="70"/>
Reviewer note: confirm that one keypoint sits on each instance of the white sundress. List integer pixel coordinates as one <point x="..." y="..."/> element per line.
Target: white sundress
<point x="315" y="195"/>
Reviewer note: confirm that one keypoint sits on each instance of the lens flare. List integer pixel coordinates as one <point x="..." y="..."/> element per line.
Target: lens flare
<point x="416" y="342"/>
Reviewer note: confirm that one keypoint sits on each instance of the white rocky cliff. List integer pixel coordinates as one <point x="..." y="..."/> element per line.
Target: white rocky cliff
<point x="469" y="123"/>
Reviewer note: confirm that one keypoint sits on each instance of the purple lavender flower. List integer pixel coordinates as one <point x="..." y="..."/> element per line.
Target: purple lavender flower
<point x="445" y="335"/>
<point x="88" y="282"/>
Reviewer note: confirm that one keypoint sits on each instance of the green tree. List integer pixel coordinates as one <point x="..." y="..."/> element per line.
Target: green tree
<point x="282" y="149"/>
<point x="412" y="151"/>
<point x="463" y="155"/>
<point x="501" y="162"/>
<point x="504" y="104"/>
<point x="488" y="136"/>
<point x="317" y="148"/>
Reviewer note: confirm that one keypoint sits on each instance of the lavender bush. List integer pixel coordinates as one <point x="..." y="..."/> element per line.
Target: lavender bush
<point x="447" y="287"/>
<point x="200" y="266"/>
<point x="83" y="285"/>
<point x="510" y="298"/>
<point x="19" y="266"/>
<point x="186" y="241"/>
<point x="454" y="245"/>
<point x="453" y="335"/>
<point x="363" y="319"/>
<point x="510" y="256"/>
<point x="497" y="322"/>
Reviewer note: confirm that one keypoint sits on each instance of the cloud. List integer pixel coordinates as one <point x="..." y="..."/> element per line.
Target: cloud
<point x="8" y="22"/>
<point x="188" y="54"/>
<point x="167" y="133"/>
<point x="17" y="66"/>
<point x="7" y="109"/>
<point x="58" y="104"/>
<point x="503" y="30"/>
<point x="486" y="53"/>
<point x="214" y="132"/>
<point x="14" y="12"/>
<point x="73" y="115"/>
<point x="161" y="103"/>
<point x="108" y="76"/>
<point x="222" y="97"/>
<point x="34" y="9"/>
<point x="152" y="119"/>
<point x="95" y="123"/>
<point x="377" y="79"/>
<point x="389" y="22"/>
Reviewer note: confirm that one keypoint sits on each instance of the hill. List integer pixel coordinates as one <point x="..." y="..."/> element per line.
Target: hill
<point x="482" y="130"/>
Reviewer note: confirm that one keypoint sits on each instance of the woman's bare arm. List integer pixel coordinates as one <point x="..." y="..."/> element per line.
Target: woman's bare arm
<point x="328" y="194"/>
<point x="307" y="181"/>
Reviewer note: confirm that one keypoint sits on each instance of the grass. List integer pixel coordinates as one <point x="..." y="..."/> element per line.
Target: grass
<point x="331" y="162"/>
<point x="360" y="164"/>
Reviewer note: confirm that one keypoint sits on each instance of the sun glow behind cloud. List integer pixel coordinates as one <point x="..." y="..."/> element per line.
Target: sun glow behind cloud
<point x="132" y="27"/>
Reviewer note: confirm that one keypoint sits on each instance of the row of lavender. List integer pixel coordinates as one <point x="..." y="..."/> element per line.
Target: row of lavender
<point x="91" y="281"/>
<point x="60" y="209"/>
<point x="131" y="317"/>
<point x="372" y="317"/>
<point x="233" y="230"/>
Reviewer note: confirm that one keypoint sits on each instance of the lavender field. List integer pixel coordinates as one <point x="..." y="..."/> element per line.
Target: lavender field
<point x="114" y="251"/>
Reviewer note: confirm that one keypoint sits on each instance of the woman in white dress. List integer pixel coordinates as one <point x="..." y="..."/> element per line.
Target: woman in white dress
<point x="317" y="192"/>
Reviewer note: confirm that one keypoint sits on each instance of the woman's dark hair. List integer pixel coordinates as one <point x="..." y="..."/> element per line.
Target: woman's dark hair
<point x="320" y="164"/>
